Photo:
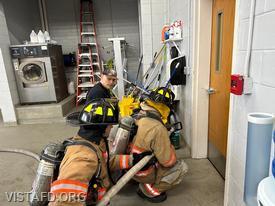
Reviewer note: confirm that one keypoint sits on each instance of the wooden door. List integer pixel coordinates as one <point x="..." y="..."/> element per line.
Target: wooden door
<point x="223" y="12"/>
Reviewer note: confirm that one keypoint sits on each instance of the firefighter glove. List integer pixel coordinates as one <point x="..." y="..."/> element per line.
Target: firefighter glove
<point x="138" y="157"/>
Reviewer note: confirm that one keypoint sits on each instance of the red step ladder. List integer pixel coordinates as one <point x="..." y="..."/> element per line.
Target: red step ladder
<point x="88" y="60"/>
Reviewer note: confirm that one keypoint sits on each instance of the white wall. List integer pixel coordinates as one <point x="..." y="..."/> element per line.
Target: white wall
<point x="17" y="19"/>
<point x="154" y="14"/>
<point x="180" y="10"/>
<point x="113" y="18"/>
<point x="8" y="91"/>
<point x="263" y="96"/>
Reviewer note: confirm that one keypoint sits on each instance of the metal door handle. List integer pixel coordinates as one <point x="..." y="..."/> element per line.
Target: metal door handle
<point x="211" y="90"/>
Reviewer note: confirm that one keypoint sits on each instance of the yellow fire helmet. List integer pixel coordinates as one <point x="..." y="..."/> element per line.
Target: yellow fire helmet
<point x="127" y="105"/>
<point x="161" y="108"/>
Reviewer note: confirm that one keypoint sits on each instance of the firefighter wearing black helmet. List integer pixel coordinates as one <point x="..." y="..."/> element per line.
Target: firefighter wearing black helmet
<point x="83" y="178"/>
<point x="162" y="95"/>
<point x="102" y="89"/>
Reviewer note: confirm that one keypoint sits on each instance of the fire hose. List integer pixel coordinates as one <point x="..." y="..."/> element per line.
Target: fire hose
<point x="123" y="180"/>
<point x="114" y="190"/>
<point x="21" y="151"/>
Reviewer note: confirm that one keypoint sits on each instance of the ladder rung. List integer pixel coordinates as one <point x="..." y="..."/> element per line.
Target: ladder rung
<point x="87" y="54"/>
<point x="86" y="70"/>
<point x="82" y="95"/>
<point x="87" y="12"/>
<point x="87" y="33"/>
<point x="85" y="44"/>
<point x="87" y="22"/>
<point x="88" y="65"/>
<point x="84" y="65"/>
<point x="85" y="75"/>
<point x="86" y="84"/>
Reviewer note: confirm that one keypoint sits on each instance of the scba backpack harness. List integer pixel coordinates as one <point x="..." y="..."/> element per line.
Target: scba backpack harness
<point x="48" y="170"/>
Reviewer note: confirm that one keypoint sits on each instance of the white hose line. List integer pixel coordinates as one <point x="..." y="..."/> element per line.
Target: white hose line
<point x="123" y="181"/>
<point x="21" y="151"/>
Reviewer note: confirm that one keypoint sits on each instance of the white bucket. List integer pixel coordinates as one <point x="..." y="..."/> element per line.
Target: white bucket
<point x="266" y="191"/>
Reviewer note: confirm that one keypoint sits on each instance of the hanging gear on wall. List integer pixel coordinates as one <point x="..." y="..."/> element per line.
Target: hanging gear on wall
<point x="177" y="70"/>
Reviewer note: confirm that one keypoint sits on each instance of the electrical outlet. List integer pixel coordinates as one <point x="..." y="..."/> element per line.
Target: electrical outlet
<point x="248" y="85"/>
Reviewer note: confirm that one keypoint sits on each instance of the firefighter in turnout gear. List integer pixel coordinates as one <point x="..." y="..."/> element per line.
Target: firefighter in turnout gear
<point x="83" y="178"/>
<point x="153" y="136"/>
<point x="102" y="89"/>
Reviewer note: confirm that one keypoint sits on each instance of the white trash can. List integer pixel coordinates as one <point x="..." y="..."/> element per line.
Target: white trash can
<point x="266" y="192"/>
<point x="259" y="139"/>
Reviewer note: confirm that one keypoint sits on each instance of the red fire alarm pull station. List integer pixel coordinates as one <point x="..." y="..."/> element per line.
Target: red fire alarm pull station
<point x="236" y="84"/>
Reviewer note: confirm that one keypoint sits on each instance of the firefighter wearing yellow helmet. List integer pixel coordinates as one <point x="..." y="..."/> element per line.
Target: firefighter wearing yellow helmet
<point x="153" y="136"/>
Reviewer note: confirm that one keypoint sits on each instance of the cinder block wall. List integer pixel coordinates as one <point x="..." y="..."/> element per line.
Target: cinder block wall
<point x="180" y="10"/>
<point x="116" y="18"/>
<point x="119" y="18"/>
<point x="22" y="17"/>
<point x="63" y="20"/>
<point x="154" y="14"/>
<point x="263" y="97"/>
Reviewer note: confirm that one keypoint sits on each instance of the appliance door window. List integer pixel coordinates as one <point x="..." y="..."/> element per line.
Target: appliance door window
<point x="33" y="73"/>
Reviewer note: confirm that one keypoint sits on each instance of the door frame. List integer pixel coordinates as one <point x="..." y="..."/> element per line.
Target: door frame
<point x="201" y="53"/>
<point x="200" y="56"/>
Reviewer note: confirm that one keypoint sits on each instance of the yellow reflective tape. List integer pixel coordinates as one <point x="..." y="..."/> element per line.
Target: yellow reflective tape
<point x="167" y="95"/>
<point x="88" y="108"/>
<point x="160" y="91"/>
<point x="110" y="112"/>
<point x="99" y="111"/>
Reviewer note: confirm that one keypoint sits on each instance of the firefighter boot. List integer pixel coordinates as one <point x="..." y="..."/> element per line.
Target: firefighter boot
<point x="147" y="192"/>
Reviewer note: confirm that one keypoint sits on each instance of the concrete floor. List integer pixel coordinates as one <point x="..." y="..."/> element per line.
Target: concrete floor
<point x="202" y="185"/>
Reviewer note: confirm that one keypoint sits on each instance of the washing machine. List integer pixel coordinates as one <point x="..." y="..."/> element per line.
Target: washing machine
<point x="39" y="72"/>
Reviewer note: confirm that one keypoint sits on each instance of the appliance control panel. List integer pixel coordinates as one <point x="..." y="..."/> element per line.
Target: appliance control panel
<point x="29" y="51"/>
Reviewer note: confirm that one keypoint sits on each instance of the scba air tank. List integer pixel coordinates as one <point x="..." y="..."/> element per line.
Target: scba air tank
<point x="121" y="140"/>
<point x="47" y="172"/>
